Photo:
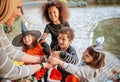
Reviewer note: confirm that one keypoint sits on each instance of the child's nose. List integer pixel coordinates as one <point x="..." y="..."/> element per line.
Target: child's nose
<point x="60" y="41"/>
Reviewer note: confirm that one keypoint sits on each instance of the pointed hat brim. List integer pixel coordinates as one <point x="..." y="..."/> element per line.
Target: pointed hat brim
<point x="17" y="41"/>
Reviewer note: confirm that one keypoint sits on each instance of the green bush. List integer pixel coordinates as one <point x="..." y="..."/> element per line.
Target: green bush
<point x="81" y="4"/>
<point x="77" y="3"/>
<point x="71" y="4"/>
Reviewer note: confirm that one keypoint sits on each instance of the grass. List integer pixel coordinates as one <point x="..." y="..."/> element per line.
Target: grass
<point x="110" y="29"/>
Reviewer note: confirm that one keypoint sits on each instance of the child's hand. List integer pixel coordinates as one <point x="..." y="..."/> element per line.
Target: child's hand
<point x="55" y="53"/>
<point x="47" y="65"/>
<point x="115" y="71"/>
<point x="55" y="61"/>
<point x="42" y="59"/>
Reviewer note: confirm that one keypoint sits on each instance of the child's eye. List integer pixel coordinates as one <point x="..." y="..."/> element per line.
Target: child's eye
<point x="64" y="39"/>
<point x="54" y="12"/>
<point x="49" y="12"/>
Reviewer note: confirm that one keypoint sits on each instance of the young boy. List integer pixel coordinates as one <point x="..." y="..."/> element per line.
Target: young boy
<point x="64" y="50"/>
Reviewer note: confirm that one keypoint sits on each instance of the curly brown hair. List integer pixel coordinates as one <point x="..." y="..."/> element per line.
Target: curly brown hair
<point x="61" y="6"/>
<point x="67" y="30"/>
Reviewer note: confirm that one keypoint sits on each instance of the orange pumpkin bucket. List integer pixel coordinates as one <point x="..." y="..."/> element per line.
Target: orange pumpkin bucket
<point x="55" y="74"/>
<point x="72" y="78"/>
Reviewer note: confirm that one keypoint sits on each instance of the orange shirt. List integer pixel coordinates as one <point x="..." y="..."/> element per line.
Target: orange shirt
<point x="36" y="51"/>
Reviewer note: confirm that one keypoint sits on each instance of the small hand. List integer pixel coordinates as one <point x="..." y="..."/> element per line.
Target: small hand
<point x="42" y="59"/>
<point x="53" y="60"/>
<point x="55" y="53"/>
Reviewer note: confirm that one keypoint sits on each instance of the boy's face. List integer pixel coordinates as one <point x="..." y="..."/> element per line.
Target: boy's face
<point x="28" y="40"/>
<point x="87" y="57"/>
<point x="64" y="41"/>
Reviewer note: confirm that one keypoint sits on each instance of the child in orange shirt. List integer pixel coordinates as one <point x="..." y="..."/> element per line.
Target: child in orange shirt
<point x="30" y="45"/>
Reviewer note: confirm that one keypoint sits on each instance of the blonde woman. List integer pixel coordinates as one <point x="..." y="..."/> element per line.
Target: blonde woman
<point x="9" y="11"/>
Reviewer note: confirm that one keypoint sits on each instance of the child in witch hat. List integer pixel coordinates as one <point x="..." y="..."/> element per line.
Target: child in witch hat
<point x="28" y="39"/>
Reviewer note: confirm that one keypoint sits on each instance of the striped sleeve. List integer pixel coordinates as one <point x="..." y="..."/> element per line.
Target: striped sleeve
<point x="85" y="73"/>
<point x="8" y="47"/>
<point x="69" y="56"/>
<point x="8" y="70"/>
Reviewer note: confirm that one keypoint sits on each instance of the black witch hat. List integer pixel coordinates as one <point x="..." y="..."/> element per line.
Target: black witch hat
<point x="17" y="41"/>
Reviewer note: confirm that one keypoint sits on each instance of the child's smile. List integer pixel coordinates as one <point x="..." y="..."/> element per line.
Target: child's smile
<point x="54" y="14"/>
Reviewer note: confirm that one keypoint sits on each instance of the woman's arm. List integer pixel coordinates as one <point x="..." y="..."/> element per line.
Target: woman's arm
<point x="12" y="52"/>
<point x="8" y="70"/>
<point x="30" y="58"/>
<point x="80" y="71"/>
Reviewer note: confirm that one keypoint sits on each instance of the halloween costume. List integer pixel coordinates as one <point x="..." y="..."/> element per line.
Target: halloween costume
<point x="8" y="69"/>
<point x="35" y="51"/>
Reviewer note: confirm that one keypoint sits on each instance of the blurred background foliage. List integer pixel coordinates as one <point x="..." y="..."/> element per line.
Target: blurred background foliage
<point x="110" y="29"/>
<point x="11" y="32"/>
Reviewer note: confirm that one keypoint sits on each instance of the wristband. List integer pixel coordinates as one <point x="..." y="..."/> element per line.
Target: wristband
<point x="41" y="65"/>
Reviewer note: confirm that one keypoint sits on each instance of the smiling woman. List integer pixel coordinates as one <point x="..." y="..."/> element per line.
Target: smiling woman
<point x="16" y="13"/>
<point x="7" y="7"/>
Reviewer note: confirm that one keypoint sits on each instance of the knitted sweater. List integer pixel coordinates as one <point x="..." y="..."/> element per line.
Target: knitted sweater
<point x="85" y="73"/>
